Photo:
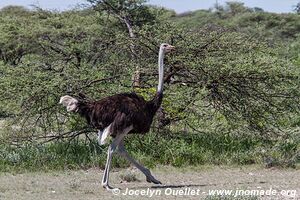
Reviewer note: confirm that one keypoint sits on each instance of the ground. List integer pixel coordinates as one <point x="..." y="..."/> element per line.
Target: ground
<point x="191" y="183"/>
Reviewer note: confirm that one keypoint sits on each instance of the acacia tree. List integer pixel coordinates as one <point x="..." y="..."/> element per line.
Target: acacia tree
<point x="229" y="73"/>
<point x="16" y="39"/>
<point x="216" y="76"/>
<point x="131" y="14"/>
<point x="297" y="8"/>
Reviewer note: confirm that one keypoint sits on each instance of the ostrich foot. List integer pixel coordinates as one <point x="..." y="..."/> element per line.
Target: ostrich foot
<point x="110" y="188"/>
<point x="151" y="179"/>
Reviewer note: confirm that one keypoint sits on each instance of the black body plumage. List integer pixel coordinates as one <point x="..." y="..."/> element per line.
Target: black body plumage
<point x="121" y="111"/>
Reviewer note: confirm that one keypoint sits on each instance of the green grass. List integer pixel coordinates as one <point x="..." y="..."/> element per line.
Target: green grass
<point x="165" y="149"/>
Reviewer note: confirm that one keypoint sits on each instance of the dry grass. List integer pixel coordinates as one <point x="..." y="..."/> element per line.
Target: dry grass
<point x="86" y="184"/>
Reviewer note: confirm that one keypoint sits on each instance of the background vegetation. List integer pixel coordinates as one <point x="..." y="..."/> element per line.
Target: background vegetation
<point x="231" y="95"/>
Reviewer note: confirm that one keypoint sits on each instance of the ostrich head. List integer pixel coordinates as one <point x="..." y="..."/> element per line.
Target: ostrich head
<point x="166" y="47"/>
<point x="70" y="103"/>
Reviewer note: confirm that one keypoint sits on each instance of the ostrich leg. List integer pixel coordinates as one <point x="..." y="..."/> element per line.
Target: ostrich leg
<point x="122" y="151"/>
<point x="111" y="149"/>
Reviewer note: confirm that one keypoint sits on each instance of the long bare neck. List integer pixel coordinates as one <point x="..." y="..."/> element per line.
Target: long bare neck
<point x="160" y="70"/>
<point x="155" y="103"/>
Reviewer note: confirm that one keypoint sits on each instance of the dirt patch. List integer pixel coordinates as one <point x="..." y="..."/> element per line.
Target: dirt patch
<point x="182" y="182"/>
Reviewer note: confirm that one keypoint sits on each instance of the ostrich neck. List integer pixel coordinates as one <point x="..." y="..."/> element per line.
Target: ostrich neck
<point x="160" y="71"/>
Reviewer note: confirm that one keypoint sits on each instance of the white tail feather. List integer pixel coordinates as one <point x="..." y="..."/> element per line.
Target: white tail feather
<point x="103" y="135"/>
<point x="69" y="102"/>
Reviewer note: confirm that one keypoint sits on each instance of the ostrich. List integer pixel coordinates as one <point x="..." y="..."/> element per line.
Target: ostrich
<point x="119" y="115"/>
